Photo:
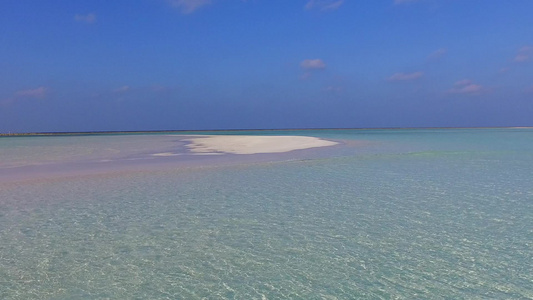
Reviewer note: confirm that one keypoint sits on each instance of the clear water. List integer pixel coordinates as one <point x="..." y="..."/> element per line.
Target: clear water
<point x="409" y="214"/>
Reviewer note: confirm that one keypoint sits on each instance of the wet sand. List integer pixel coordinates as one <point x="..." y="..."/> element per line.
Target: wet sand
<point x="45" y="159"/>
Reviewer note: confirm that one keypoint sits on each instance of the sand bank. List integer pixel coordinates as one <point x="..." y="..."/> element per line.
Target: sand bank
<point x="95" y="156"/>
<point x="248" y="144"/>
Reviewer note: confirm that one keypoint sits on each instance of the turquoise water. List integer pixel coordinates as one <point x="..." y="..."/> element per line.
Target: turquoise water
<point x="406" y="214"/>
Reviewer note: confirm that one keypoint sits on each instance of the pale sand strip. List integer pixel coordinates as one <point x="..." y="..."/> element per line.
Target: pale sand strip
<point x="166" y="154"/>
<point x="249" y="144"/>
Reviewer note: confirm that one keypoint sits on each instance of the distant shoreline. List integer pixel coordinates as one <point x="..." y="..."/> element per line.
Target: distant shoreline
<point x="75" y="133"/>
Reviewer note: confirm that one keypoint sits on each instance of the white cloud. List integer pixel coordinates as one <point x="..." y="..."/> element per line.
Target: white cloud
<point x="504" y="70"/>
<point x="88" y="18"/>
<point x="521" y="58"/>
<point x="463" y="82"/>
<point x="305" y="75"/>
<point x="529" y="90"/>
<point x="310" y="66"/>
<point x="37" y="93"/>
<point x="438" y="54"/>
<point x="188" y="6"/>
<point x="524" y="54"/>
<point x="466" y="86"/>
<point x="313" y="64"/>
<point x="324" y="5"/>
<point x="122" y="89"/>
<point x="468" y="89"/>
<point x="406" y="76"/>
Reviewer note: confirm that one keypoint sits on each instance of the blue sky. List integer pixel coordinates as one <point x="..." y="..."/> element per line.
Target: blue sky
<point x="235" y="64"/>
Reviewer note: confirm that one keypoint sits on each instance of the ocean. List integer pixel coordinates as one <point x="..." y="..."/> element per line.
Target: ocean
<point x="385" y="214"/>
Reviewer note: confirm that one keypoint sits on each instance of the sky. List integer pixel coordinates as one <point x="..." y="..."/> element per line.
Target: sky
<point x="99" y="65"/>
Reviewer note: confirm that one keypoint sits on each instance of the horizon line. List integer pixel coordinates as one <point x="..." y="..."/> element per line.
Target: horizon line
<point x="105" y="132"/>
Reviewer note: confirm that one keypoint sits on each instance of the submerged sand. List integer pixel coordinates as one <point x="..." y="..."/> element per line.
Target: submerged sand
<point x="249" y="144"/>
<point x="75" y="156"/>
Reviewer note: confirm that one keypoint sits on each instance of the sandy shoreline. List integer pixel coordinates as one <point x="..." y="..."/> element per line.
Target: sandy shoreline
<point x="250" y="144"/>
<point x="106" y="155"/>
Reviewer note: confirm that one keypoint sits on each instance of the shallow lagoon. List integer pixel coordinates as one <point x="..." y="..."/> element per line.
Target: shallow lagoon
<point x="405" y="214"/>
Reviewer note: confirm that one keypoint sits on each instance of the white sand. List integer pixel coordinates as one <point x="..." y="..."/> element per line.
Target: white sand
<point x="248" y="144"/>
<point x="166" y="154"/>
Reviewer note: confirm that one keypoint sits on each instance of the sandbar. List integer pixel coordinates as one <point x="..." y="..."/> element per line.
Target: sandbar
<point x="250" y="144"/>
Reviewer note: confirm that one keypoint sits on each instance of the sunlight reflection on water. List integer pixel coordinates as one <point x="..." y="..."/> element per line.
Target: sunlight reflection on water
<point x="431" y="223"/>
